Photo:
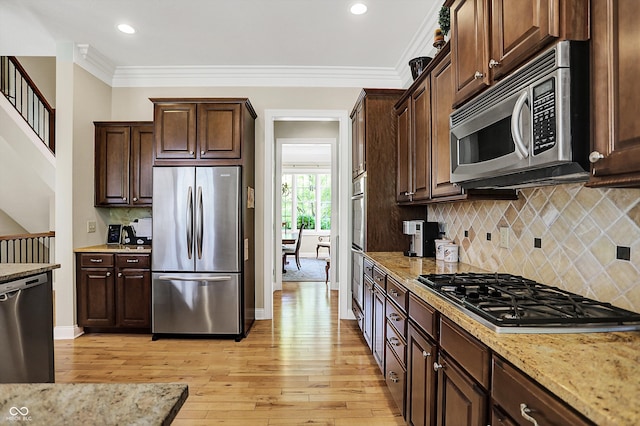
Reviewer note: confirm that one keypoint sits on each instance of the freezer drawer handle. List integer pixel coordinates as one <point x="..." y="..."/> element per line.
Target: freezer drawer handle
<point x="196" y="278"/>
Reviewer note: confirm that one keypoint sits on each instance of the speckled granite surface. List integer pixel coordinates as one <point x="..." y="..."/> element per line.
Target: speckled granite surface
<point x="104" y="403"/>
<point x="596" y="373"/>
<point x="14" y="271"/>
<point x="115" y="248"/>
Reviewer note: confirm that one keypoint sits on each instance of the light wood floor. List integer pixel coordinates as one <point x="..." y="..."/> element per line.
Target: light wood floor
<point x="304" y="367"/>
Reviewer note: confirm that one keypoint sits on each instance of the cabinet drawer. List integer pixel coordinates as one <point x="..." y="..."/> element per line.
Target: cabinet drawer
<point x="424" y="315"/>
<point x="142" y="261"/>
<point x="358" y="314"/>
<point x="397" y="343"/>
<point x="397" y="293"/>
<point x="96" y="260"/>
<point x="396" y="318"/>
<point x="472" y="355"/>
<point x="379" y="278"/>
<point x="396" y="378"/>
<point x="511" y="388"/>
<point x="368" y="268"/>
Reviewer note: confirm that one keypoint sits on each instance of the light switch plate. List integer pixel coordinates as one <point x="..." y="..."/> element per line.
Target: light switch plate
<point x="504" y="237"/>
<point x="91" y="226"/>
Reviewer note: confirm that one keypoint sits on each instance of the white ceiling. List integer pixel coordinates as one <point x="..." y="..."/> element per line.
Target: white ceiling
<point x="313" y="37"/>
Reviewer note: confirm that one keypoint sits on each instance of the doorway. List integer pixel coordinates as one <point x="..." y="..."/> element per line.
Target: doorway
<point x="341" y="172"/>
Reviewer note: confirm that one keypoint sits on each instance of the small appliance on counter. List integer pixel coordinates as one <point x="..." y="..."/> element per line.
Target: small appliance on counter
<point x="137" y="233"/>
<point x="423" y="235"/>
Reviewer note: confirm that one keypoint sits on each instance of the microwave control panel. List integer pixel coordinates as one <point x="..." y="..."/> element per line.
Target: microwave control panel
<point x="544" y="116"/>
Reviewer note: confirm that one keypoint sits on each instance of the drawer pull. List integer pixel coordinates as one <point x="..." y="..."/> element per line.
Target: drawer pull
<point x="394" y="341"/>
<point x="437" y="366"/>
<point x="394" y="317"/>
<point x="393" y="377"/>
<point x="119" y="274"/>
<point x="394" y="293"/>
<point x="133" y="260"/>
<point x="524" y="410"/>
<point x="108" y="274"/>
<point x="96" y="260"/>
<point x="426" y="354"/>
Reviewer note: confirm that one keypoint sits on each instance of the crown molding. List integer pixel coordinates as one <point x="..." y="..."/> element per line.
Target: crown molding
<point x="256" y="76"/>
<point x="94" y="62"/>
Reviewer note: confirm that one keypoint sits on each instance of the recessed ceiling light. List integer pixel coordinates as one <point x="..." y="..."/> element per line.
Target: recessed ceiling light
<point x="359" y="8"/>
<point x="126" y="28"/>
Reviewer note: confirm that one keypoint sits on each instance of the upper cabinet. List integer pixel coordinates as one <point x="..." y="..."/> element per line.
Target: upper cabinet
<point x="490" y="38"/>
<point x="358" y="134"/>
<point x="123" y="164"/>
<point x="201" y="131"/>
<point x="615" y="93"/>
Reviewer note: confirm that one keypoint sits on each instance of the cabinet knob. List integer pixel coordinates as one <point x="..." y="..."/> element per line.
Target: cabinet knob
<point x="135" y="198"/>
<point x="493" y="63"/>
<point x="119" y="274"/>
<point x="437" y="366"/>
<point x="191" y="153"/>
<point x="595" y="156"/>
<point x="201" y="152"/>
<point x="108" y="274"/>
<point x="124" y="198"/>
<point x="524" y="411"/>
<point x="393" y="377"/>
<point x="426" y="354"/>
<point x="478" y="75"/>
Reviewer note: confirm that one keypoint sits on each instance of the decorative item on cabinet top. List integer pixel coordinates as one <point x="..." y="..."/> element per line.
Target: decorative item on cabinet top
<point x="418" y="65"/>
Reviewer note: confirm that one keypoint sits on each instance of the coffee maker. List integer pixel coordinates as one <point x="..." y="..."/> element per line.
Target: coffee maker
<point x="423" y="235"/>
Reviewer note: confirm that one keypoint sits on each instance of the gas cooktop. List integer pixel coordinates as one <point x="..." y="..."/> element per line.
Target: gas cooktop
<point x="513" y="304"/>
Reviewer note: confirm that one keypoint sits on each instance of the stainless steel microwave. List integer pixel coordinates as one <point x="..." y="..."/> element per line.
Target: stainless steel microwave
<point x="530" y="129"/>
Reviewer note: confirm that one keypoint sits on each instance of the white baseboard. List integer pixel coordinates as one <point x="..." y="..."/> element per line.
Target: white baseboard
<point x="67" y="332"/>
<point x="260" y="314"/>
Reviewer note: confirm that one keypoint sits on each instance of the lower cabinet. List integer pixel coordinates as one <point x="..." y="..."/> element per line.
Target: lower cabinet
<point x="113" y="291"/>
<point x="378" y="346"/>
<point x="367" y="311"/>
<point x="422" y="352"/>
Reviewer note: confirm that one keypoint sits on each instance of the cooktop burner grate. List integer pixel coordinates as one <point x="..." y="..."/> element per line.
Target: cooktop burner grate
<point x="506" y="300"/>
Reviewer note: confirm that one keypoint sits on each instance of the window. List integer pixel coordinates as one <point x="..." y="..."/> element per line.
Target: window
<point x="306" y="198"/>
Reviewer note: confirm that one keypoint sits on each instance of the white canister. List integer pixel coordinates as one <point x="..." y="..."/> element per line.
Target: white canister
<point x="440" y="248"/>
<point x="451" y="253"/>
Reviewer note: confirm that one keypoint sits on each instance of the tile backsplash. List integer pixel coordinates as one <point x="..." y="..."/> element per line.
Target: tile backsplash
<point x="569" y="236"/>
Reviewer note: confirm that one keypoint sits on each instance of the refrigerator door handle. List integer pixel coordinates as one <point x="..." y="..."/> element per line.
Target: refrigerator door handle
<point x="200" y="223"/>
<point x="190" y="222"/>
<point x="194" y="278"/>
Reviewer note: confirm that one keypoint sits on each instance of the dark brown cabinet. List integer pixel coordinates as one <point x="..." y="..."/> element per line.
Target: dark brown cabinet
<point x="208" y="131"/>
<point x="358" y="134"/>
<point x="615" y="94"/>
<point x="113" y="291"/>
<point x="123" y="164"/>
<point x="367" y="311"/>
<point x="378" y="341"/>
<point x="491" y="38"/>
<point x="520" y="397"/>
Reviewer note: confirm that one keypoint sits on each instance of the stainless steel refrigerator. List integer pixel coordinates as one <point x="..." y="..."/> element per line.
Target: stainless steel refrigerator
<point x="198" y="285"/>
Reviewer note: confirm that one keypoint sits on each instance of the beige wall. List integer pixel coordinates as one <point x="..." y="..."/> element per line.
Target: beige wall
<point x="42" y="70"/>
<point x="579" y="228"/>
<point x="8" y="226"/>
<point x="134" y="104"/>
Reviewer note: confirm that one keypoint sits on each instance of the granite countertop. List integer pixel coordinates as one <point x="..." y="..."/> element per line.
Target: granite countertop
<point x="15" y="271"/>
<point x="113" y="248"/>
<point x="595" y="373"/>
<point x="103" y="403"/>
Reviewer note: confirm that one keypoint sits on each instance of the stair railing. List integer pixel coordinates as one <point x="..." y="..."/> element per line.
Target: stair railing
<point x="22" y="93"/>
<point x="27" y="248"/>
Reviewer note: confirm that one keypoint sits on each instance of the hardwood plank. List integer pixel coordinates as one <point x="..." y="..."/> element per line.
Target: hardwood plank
<point x="303" y="367"/>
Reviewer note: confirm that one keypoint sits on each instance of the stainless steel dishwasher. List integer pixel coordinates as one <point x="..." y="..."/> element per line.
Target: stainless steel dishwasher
<point x="26" y="330"/>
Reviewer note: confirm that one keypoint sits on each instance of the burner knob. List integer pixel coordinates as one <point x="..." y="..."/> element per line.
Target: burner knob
<point x="473" y="295"/>
<point x="461" y="289"/>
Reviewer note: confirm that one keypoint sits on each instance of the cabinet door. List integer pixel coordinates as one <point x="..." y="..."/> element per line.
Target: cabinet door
<point x="441" y="108"/>
<point x="469" y="48"/>
<point x="175" y="131"/>
<point x="367" y="311"/>
<point x="460" y="400"/>
<point x="421" y="138"/>
<point x="378" y="327"/>
<point x="616" y="93"/>
<point x="421" y="379"/>
<point x="96" y="297"/>
<point x="112" y="165"/>
<point x="359" y="140"/>
<point x="133" y="298"/>
<point x="219" y="130"/>
<point x="519" y="29"/>
<point x="403" y="182"/>
<point x="141" y="165"/>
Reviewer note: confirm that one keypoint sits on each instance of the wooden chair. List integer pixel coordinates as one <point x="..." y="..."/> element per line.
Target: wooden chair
<point x="323" y="243"/>
<point x="288" y="251"/>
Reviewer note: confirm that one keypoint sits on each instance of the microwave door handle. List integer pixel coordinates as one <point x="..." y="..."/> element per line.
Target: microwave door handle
<point x="522" y="151"/>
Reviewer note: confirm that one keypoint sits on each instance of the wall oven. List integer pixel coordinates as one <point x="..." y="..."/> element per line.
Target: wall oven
<point x="530" y="129"/>
<point x="358" y="210"/>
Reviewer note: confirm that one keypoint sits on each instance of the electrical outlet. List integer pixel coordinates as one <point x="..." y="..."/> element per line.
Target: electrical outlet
<point x="504" y="237"/>
<point x="91" y="226"/>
